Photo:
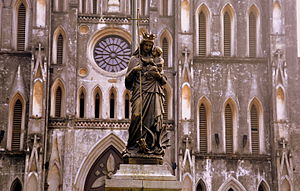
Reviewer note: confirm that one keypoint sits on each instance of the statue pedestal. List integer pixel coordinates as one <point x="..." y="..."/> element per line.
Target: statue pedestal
<point x="136" y="177"/>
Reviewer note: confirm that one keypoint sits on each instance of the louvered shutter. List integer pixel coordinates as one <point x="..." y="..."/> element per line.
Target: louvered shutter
<point x="21" y="28"/>
<point x="81" y="105"/>
<point x="254" y="130"/>
<point x="227" y="35"/>
<point x="203" y="128"/>
<point x="202" y="34"/>
<point x="165" y="104"/>
<point x="112" y="105"/>
<point x="165" y="7"/>
<point x="97" y="105"/>
<point x="252" y="35"/>
<point x="95" y="6"/>
<point x="17" y="124"/>
<point x="127" y="108"/>
<point x="165" y="48"/>
<point x="228" y="129"/>
<point x="58" y="97"/>
<point x="60" y="49"/>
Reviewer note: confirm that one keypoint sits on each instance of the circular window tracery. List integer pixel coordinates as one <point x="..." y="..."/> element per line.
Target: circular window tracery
<point x="112" y="53"/>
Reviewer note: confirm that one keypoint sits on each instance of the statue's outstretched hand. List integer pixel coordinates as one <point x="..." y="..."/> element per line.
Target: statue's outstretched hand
<point x="137" y="68"/>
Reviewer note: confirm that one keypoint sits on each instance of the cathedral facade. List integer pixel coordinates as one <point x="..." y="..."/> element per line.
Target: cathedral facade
<point x="231" y="109"/>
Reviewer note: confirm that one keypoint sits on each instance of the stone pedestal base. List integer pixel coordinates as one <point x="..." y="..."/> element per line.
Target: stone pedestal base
<point x="142" y="177"/>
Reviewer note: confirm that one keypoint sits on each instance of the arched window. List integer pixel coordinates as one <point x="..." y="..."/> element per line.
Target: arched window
<point x="228" y="129"/>
<point x="112" y="105"/>
<point x="252" y="35"/>
<point x="186" y="102"/>
<point x="263" y="186"/>
<point x="17" y="126"/>
<point x="60" y="49"/>
<point x="16" y="185"/>
<point x="21" y="27"/>
<point x="165" y="48"/>
<point x="95" y="5"/>
<point x="97" y="105"/>
<point x="165" y="104"/>
<point x="201" y="186"/>
<point x="230" y="189"/>
<point x="227" y="34"/>
<point x="254" y="129"/>
<point x="203" y="128"/>
<point x="202" y="34"/>
<point x="127" y="106"/>
<point x="58" y="101"/>
<point x="81" y="105"/>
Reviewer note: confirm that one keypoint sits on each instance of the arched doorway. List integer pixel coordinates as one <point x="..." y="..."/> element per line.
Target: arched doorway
<point x="104" y="166"/>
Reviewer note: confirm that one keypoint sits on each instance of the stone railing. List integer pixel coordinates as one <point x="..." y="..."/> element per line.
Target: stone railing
<point x="96" y="123"/>
<point x="83" y="18"/>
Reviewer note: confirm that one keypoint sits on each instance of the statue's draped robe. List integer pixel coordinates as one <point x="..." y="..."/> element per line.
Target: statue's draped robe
<point x="152" y="104"/>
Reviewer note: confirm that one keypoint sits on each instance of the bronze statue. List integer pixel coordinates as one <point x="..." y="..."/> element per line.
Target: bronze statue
<point x="147" y="137"/>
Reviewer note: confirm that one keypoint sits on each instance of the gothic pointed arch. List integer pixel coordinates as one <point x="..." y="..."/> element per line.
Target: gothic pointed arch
<point x="201" y="186"/>
<point x="97" y="102"/>
<point x="58" y="96"/>
<point x="113" y="103"/>
<point x="166" y="42"/>
<point x="93" y="155"/>
<point x="16" y="122"/>
<point x="16" y="185"/>
<point x="285" y="185"/>
<point x="127" y="105"/>
<point x="253" y="40"/>
<point x="32" y="183"/>
<point x="280" y="103"/>
<point x="263" y="186"/>
<point x="228" y="28"/>
<point x="168" y="106"/>
<point x="233" y="184"/>
<point x="230" y="125"/>
<point x="204" y="115"/>
<point x="186" y="96"/>
<point x="256" y="126"/>
<point x="202" y="18"/>
<point x="59" y="45"/>
<point x="21" y="22"/>
<point x="81" y="102"/>
<point x="37" y="99"/>
<point x="187" y="182"/>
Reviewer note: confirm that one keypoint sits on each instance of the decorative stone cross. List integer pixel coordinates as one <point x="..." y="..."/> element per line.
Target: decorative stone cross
<point x="283" y="142"/>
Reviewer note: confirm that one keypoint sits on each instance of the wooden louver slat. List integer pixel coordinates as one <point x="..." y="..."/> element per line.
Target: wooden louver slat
<point x="165" y="48"/>
<point x="228" y="129"/>
<point x="127" y="108"/>
<point x="252" y="35"/>
<point x="143" y="7"/>
<point x="254" y="130"/>
<point x="97" y="105"/>
<point x="81" y="105"/>
<point x="21" y="28"/>
<point x="227" y="35"/>
<point x="203" y="128"/>
<point x="17" y="126"/>
<point x="60" y="49"/>
<point x="165" y="104"/>
<point x="95" y="6"/>
<point x="58" y="101"/>
<point x="202" y="34"/>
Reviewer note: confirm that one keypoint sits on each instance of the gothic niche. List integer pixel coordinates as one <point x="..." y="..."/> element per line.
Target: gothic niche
<point x="104" y="167"/>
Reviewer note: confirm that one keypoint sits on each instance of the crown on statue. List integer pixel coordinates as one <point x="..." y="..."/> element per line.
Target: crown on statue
<point x="148" y="37"/>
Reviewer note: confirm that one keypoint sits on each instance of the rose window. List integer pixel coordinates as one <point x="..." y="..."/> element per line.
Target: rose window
<point x="112" y="53"/>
